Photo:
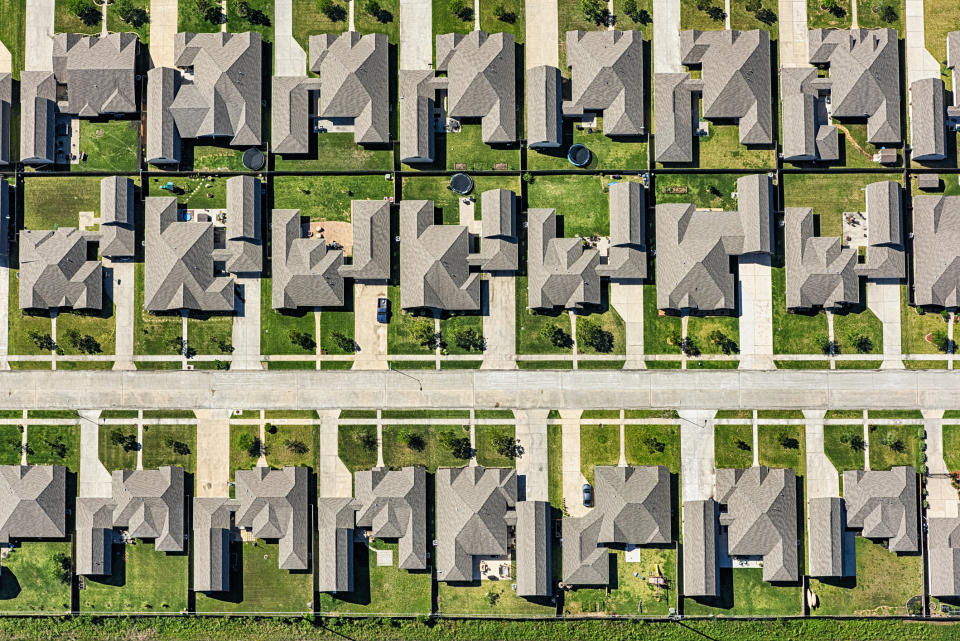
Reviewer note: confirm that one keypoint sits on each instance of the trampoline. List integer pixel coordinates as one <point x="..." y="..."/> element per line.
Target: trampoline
<point x="579" y="155"/>
<point x="461" y="184"/>
<point x="253" y="159"/>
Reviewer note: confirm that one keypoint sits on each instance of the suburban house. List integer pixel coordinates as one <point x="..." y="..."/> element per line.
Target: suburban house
<point x="56" y="270"/>
<point x="626" y="258"/>
<point x="145" y="504"/>
<point x="499" y="250"/>
<point x="212" y="531"/>
<point x="392" y="504"/>
<point x="32" y="502"/>
<point x="117" y="224"/>
<point x="883" y="505"/>
<point x="826" y="525"/>
<point x="544" y="100"/>
<point x="936" y="250"/>
<point x="6" y="107"/>
<point x="928" y="139"/>
<point x="694" y="247"/>
<point x="700" y="548"/>
<point x="335" y="519"/>
<point x="823" y="273"/>
<point x="560" y="272"/>
<point x="90" y="77"/>
<point x="273" y="505"/>
<point x="214" y="92"/>
<point x="633" y="507"/>
<point x="480" y="83"/>
<point x="735" y="85"/>
<point x="943" y="556"/>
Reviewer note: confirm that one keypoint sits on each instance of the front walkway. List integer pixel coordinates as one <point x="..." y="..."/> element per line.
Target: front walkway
<point x="541" y="33"/>
<point x="756" y="313"/>
<point x="697" y="457"/>
<point x="289" y="57"/>
<point x="163" y="28"/>
<point x="573" y="479"/>
<point x="213" y="453"/>
<point x="39" y="38"/>
<point x="883" y="299"/>
<point x="95" y="480"/>
<point x="531" y="435"/>
<point x="627" y="300"/>
<point x="334" y="478"/>
<point x="941" y="495"/>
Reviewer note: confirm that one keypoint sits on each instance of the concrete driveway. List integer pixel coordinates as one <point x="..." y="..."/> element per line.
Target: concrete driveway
<point x="756" y="313"/>
<point x="542" y="33"/>
<point x="334" y="478"/>
<point x="370" y="335"/>
<point x="121" y="277"/>
<point x="883" y="299"/>
<point x="940" y="494"/>
<point x="416" y="34"/>
<point x="163" y="28"/>
<point x="666" y="41"/>
<point x="532" y="465"/>
<point x="39" y="37"/>
<point x="627" y="300"/>
<point x="213" y="453"/>
<point x="6" y="60"/>
<point x="289" y="57"/>
<point x="792" y="15"/>
<point x="246" y="326"/>
<point x="4" y="294"/>
<point x="697" y="458"/>
<point x="95" y="480"/>
<point x="499" y="322"/>
<point x="823" y="481"/>
<point x="920" y="62"/>
<point x="573" y="480"/>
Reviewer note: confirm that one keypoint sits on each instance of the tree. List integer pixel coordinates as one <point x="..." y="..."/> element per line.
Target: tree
<point x="834" y="8"/>
<point x="555" y="336"/>
<point x="507" y="446"/>
<point x="827" y="347"/>
<point x="222" y="344"/>
<point x="343" y="342"/>
<point x="127" y="441"/>
<point x="460" y="9"/>
<point x="133" y="16"/>
<point x="88" y="13"/>
<point x="689" y="346"/>
<point x="743" y="445"/>
<point x="753" y="6"/>
<point x="503" y="15"/>
<point x="862" y="344"/>
<point x="727" y="345"/>
<point x="766" y="16"/>
<point x="59" y="568"/>
<point x="425" y="335"/>
<point x="372" y="8"/>
<point x="333" y="11"/>
<point x="595" y="11"/>
<point x="857" y="444"/>
<point x="716" y="14"/>
<point x="303" y="340"/>
<point x="594" y="336"/>
<point x="44" y="342"/>
<point x="715" y="191"/>
<point x="459" y="446"/>
<point x="368" y="440"/>
<point x="941" y="341"/>
<point x="789" y="442"/>
<point x="85" y="344"/>
<point x="888" y="13"/>
<point x="296" y="446"/>
<point x="241" y="8"/>
<point x="209" y="11"/>
<point x="654" y="445"/>
<point x="469" y="339"/>
<point x="635" y="13"/>
<point x="412" y="440"/>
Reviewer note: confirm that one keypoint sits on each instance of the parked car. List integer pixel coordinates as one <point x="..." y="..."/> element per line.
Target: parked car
<point x="587" y="495"/>
<point x="383" y="310"/>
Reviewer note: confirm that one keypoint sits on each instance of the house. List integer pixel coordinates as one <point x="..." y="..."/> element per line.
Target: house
<point x="146" y="504"/>
<point x="273" y="505"/>
<point x="418" y="113"/>
<point x="606" y="77"/>
<point x="758" y="512"/>
<point x="290" y="116"/>
<point x="212" y="526"/>
<point x="393" y="505"/>
<point x="243" y="250"/>
<point x="936" y="257"/>
<point x="627" y="256"/>
<point x="544" y="97"/>
<point x="434" y="272"/>
<point x="90" y="76"/>
<point x="32" y="502"/>
<point x="6" y="106"/>
<point x="633" y="507"/>
<point x="215" y="92"/>
<point x="826" y="523"/>
<point x="820" y="272"/>
<point x="534" y="549"/>
<point x="735" y="84"/>
<point x="883" y="505"/>
<point x="953" y="63"/>
<point x="560" y="272"/>
<point x="499" y="250"/>
<point x="927" y="120"/>
<point x="55" y="270"/>
<point x="700" y="548"/>
<point x="943" y="556"/>
<point x="885" y="255"/>
<point x="694" y="247"/>
<point x="371" y="258"/>
<point x="335" y="520"/>
<point x="117" y="224"/>
<point x="807" y="133"/>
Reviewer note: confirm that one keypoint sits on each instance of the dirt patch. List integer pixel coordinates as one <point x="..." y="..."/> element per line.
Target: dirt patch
<point x="333" y="231"/>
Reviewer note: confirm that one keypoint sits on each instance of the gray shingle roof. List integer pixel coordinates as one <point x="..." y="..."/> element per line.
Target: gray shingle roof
<point x="885" y="252"/>
<point x="290" y="113"/>
<point x="475" y="506"/>
<point x="884" y="505"/>
<point x="560" y="272"/>
<point x="943" y="547"/>
<point x="32" y="502"/>
<point x="38" y="110"/>
<point x="927" y="120"/>
<point x="633" y="506"/>
<point x="544" y="98"/>
<point x="371" y="241"/>
<point x="212" y="520"/>
<point x="936" y="250"/>
<point x="243" y="253"/>
<point x="335" y="518"/>
<point x="305" y="272"/>
<point x="433" y="262"/>
<point x="417" y="96"/>
<point x="481" y="81"/>
<point x="55" y="272"/>
<point x="928" y="182"/>
<point x="700" y="548"/>
<point x="6" y="105"/>
<point x="825" y="526"/>
<point x="163" y="137"/>
<point x="94" y="536"/>
<point x="149" y="504"/>
<point x="117" y="237"/>
<point x="806" y="133"/>
<point x="179" y="262"/>
<point x="273" y="505"/>
<point x="674" y="115"/>
<point x="820" y="272"/>
<point x="498" y="230"/>
<point x="864" y="77"/>
<point x="393" y="505"/>
<point x="534" y="549"/>
<point x="694" y="247"/>
<point x="354" y="75"/>
<point x="761" y="517"/>
<point x="607" y="75"/>
<point x="953" y="63"/>
<point x="627" y="258"/>
<point x="99" y="73"/>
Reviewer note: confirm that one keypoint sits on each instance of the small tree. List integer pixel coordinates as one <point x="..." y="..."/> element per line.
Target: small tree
<point x="727" y="345"/>
<point x="44" y="342"/>
<point x="788" y="442"/>
<point x="368" y="440"/>
<point x="716" y="14"/>
<point x="459" y="446"/>
<point x="689" y="346"/>
<point x="425" y="335"/>
<point x="743" y="445"/>
<point x="126" y="441"/>
<point x="296" y="446"/>
<point x="59" y="568"/>
<point x="88" y="13"/>
<point x="503" y="15"/>
<point x="469" y="339"/>
<point x="888" y="13"/>
<point x="302" y="340"/>
<point x="333" y="11"/>
<point x="857" y="444"/>
<point x="827" y="347"/>
<point x="412" y="440"/>
<point x="241" y="8"/>
<point x="753" y="6"/>
<point x="555" y="336"/>
<point x="595" y="11"/>
<point x="507" y="446"/>
<point x="594" y="336"/>
<point x="862" y="343"/>
<point x="766" y="16"/>
<point x="222" y="344"/>
<point x="654" y="445"/>
<point x="941" y="341"/>
<point x="460" y="9"/>
<point x="343" y="342"/>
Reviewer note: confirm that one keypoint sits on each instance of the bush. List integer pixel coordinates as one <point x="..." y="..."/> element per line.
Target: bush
<point x="789" y="442"/>
<point x="689" y="346"/>
<point x="716" y="14"/>
<point x="507" y="446"/>
<point x="555" y="336"/>
<point x="333" y="11"/>
<point x="412" y="440"/>
<point x="223" y="345"/>
<point x="743" y="445"/>
<point x="827" y="347"/>
<point x="857" y="444"/>
<point x="368" y="441"/>
<point x="209" y="11"/>
<point x="373" y="8"/>
<point x="303" y="340"/>
<point x="85" y="344"/>
<point x="59" y="568"/>
<point x="753" y="6"/>
<point x="501" y="14"/>
<point x="766" y="16"/>
<point x="594" y="336"/>
<point x="469" y="339"/>
<point x="133" y="16"/>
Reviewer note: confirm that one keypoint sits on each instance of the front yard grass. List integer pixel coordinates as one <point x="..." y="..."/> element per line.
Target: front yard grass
<point x="486" y="449"/>
<point x="190" y="20"/>
<point x="837" y="446"/>
<point x="239" y="24"/>
<point x="380" y="589"/>
<point x="157" y="453"/>
<point x="101" y="325"/>
<point x="152" y="333"/>
<point x="357" y="446"/>
<point x="207" y="332"/>
<point x="257" y="584"/>
<point x="54" y="445"/>
<point x="113" y="455"/>
<point x="310" y="21"/>
<point x="529" y="339"/>
<point x="864" y="323"/>
<point x="400" y="338"/>
<point x="28" y="584"/>
<point x="64" y="20"/>
<point x="432" y="454"/>
<point x="49" y="203"/>
<point x="653" y="445"/>
<point x="940" y="17"/>
<point x="916" y="327"/>
<point x="868" y="19"/>
<point x="555" y="466"/>
<point x="276" y="326"/>
<point x="435" y="188"/>
<point x="289" y="445"/>
<point x="115" y="24"/>
<point x="608" y="320"/>
<point x="110" y="145"/>
<point x="633" y="596"/>
<point x="699" y="328"/>
<point x="776" y="443"/>
<point x="143" y="580"/>
<point x="242" y="458"/>
<point x="951" y="447"/>
<point x="793" y="333"/>
<point x="335" y="321"/>
<point x="892" y="445"/>
<point x="733" y="446"/>
<point x="582" y="201"/>
<point x="336" y="151"/>
<point x="388" y="22"/>
<point x="599" y="445"/>
<point x="20" y="324"/>
<point x="659" y="331"/>
<point x="693" y="18"/>
<point x="453" y="323"/>
<point x="327" y="197"/>
<point x="491" y="24"/>
<point x="820" y="18"/>
<point x="743" y="592"/>
<point x="10" y="443"/>
<point x="884" y="582"/>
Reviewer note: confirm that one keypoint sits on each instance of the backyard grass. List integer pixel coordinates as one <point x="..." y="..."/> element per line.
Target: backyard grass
<point x="793" y="333"/>
<point x="884" y="582"/>
<point x="240" y="457"/>
<point x="433" y="454"/>
<point x="113" y="455"/>
<point x="207" y="332"/>
<point x="336" y="151"/>
<point x="488" y="598"/>
<point x="743" y="592"/>
<point x="699" y="329"/>
<point x="820" y="18"/>
<point x="142" y="29"/>
<point x="257" y="584"/>
<point x="722" y="149"/>
<point x="54" y="445"/>
<point x="582" y="201"/>
<point x="157" y="453"/>
<point x="152" y="333"/>
<point x="659" y="331"/>
<point x="915" y="327"/>
<point x="28" y="584"/>
<point x="13" y="36"/>
<point x="435" y="188"/>
<point x="486" y="449"/>
<point x="892" y="445"/>
<point x="49" y="203"/>
<point x="837" y="447"/>
<point x="776" y="446"/>
<point x="864" y="323"/>
<point x="380" y="589"/>
<point x="10" y="443"/>
<point x="143" y="580"/>
<point x="829" y="196"/>
<point x="110" y="145"/>
<point x="327" y="197"/>
<point x="466" y="150"/>
<point x="276" y="326"/>
<point x="357" y="446"/>
<point x="605" y="152"/>
<point x="20" y="324"/>
<point x="698" y="189"/>
<point x="653" y="445"/>
<point x="529" y="339"/>
<point x="289" y="445"/>
<point x="633" y="594"/>
<point x="599" y="445"/>
<point x="101" y="325"/>
<point x="733" y="446"/>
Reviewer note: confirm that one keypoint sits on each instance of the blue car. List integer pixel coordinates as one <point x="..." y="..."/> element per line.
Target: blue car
<point x="587" y="495"/>
<point x="383" y="310"/>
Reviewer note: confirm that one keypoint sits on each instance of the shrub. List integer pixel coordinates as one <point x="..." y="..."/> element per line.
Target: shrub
<point x="460" y="9"/>
<point x="632" y="11"/>
<point x="727" y="345"/>
<point x="743" y="445"/>
<point x="368" y="440"/>
<point x="941" y="341"/>
<point x="716" y="14"/>
<point x="857" y="444"/>
<point x="412" y="440"/>
<point x="753" y="6"/>
<point x="766" y="16"/>
<point x="888" y="13"/>
<point x="789" y="442"/>
<point x="689" y="346"/>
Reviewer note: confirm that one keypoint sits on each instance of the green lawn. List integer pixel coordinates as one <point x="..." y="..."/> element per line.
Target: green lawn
<point x="633" y="595"/>
<point x="190" y="20"/>
<point x="28" y="583"/>
<point x="336" y="151"/>
<point x="643" y="443"/>
<point x="357" y="446"/>
<point x="333" y="321"/>
<point x="722" y="149"/>
<point x="10" y="440"/>
<point x="13" y="35"/>
<point x="141" y="28"/>
<point x="100" y="325"/>
<point x="582" y="201"/>
<point x="257" y="584"/>
<point x="214" y="157"/>
<point x="453" y="323"/>
<point x="951" y="446"/>
<point x="884" y="582"/>
<point x="530" y="324"/>
<point x="609" y="321"/>
<point x="605" y="152"/>
<point x="387" y="21"/>
<point x="65" y="21"/>
<point x="475" y="598"/>
<point x="775" y="443"/>
<point x="380" y="589"/>
<point x="743" y="592"/>
<point x="836" y="445"/>
<point x="492" y="24"/>
<point x="658" y="330"/>
<point x="465" y="150"/>
<point x="699" y="329"/>
<point x="435" y="188"/>
<point x="819" y="18"/>
<point x="152" y="333"/>
<point x="240" y="458"/>
<point x="112" y="455"/>
<point x="698" y="189"/>
<point x="486" y="451"/>
<point x="733" y="446"/>
<point x="940" y="17"/>
<point x="327" y="197"/>
<point x="400" y="329"/>
<point x="915" y="327"/>
<point x="238" y="24"/>
<point x="555" y="466"/>
<point x="599" y="445"/>
<point x="311" y="22"/>
<point x="892" y="445"/>
<point x="157" y="453"/>
<point x="693" y="18"/>
<point x="143" y="580"/>
<point x="848" y="327"/>
<point x="444" y="21"/>
<point x="54" y="445"/>
<point x="205" y="332"/>
<point x="793" y="333"/>
<point x="829" y="195"/>
<point x="110" y="145"/>
<point x="276" y="325"/>
<point x="432" y="454"/>
<point x="285" y="445"/>
<point x="570" y="17"/>
<point x="867" y="18"/>
<point x="49" y="203"/>
<point x="20" y="325"/>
